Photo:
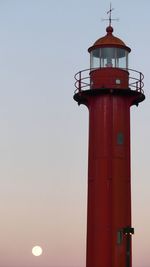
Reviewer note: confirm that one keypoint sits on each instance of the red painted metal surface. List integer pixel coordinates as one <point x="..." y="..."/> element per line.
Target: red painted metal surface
<point x="109" y="181"/>
<point x="109" y="93"/>
<point x="109" y="78"/>
<point x="109" y="198"/>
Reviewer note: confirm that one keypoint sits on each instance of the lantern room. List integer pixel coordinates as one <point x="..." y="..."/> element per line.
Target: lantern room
<point x="109" y="51"/>
<point x="109" y="57"/>
<point x="109" y="62"/>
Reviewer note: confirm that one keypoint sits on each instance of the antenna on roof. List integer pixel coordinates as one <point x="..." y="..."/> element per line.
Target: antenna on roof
<point x="109" y="12"/>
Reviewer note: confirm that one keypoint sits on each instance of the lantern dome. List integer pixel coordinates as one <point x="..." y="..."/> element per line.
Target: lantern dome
<point x="109" y="40"/>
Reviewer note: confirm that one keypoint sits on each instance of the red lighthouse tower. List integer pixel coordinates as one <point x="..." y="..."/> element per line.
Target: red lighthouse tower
<point x="109" y="88"/>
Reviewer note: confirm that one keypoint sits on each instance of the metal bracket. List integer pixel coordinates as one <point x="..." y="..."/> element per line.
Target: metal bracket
<point x="128" y="230"/>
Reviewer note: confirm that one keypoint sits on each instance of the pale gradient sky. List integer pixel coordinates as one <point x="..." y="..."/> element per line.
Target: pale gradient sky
<point x="44" y="134"/>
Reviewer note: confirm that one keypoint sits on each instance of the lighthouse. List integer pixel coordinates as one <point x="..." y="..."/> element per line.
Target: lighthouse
<point x="108" y="88"/>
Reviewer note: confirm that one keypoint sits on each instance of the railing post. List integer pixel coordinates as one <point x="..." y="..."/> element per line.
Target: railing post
<point x="140" y="81"/>
<point x="79" y="81"/>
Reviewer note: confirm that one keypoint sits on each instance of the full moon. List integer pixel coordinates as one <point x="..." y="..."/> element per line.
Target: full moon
<point x="37" y="251"/>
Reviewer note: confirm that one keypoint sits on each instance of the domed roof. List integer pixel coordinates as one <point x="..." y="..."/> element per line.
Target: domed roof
<point x="109" y="40"/>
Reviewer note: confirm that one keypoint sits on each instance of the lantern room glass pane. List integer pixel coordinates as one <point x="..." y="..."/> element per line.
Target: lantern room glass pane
<point x="95" y="58"/>
<point x="109" y="57"/>
<point x="122" y="58"/>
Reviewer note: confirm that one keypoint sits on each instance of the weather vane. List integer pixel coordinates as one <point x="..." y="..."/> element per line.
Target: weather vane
<point x="110" y="15"/>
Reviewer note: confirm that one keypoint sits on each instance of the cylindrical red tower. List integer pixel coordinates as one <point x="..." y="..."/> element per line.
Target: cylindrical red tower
<point x="109" y="88"/>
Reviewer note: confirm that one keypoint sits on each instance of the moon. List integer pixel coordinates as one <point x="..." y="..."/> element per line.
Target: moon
<point x="37" y="251"/>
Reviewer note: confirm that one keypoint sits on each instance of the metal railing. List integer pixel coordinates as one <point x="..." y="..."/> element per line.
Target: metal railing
<point x="83" y="81"/>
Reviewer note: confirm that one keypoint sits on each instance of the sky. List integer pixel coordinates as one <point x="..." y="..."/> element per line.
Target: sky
<point x="44" y="134"/>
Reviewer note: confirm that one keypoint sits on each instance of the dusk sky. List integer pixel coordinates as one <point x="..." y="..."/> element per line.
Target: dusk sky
<point x="44" y="134"/>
